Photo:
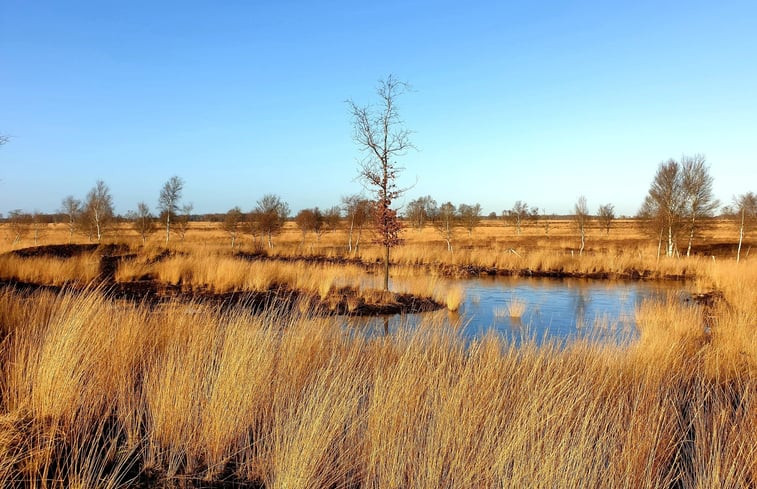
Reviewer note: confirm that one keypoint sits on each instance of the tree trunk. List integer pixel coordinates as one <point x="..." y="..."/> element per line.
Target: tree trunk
<point x="386" y="269"/>
<point x="691" y="237"/>
<point x="168" y="228"/>
<point x="270" y="243"/>
<point x="349" y="241"/>
<point x="583" y="242"/>
<point x="670" y="240"/>
<point x="741" y="236"/>
<point x="97" y="226"/>
<point x="659" y="245"/>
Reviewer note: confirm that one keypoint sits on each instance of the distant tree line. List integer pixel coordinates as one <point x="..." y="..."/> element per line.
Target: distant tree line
<point x="678" y="207"/>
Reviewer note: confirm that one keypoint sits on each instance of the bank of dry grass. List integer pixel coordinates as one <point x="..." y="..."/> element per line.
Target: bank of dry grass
<point x="79" y="270"/>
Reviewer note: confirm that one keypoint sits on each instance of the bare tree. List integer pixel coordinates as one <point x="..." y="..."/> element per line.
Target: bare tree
<point x="310" y="220"/>
<point x="420" y="210"/>
<point x="269" y="216"/>
<point x="605" y="215"/>
<point x="303" y="221"/>
<point x="652" y="222"/>
<point x="581" y="220"/>
<point x="71" y="208"/>
<point x="546" y="222"/>
<point x="38" y="224"/>
<point x="664" y="203"/>
<point x="19" y="223"/>
<point x="332" y="218"/>
<point x="744" y="211"/>
<point x="98" y="209"/>
<point x="533" y="216"/>
<point x="516" y="215"/>
<point x="142" y="221"/>
<point x="379" y="133"/>
<point x="252" y="227"/>
<point x="699" y="205"/>
<point x="168" y="202"/>
<point x="357" y="211"/>
<point x="181" y="221"/>
<point x="445" y="222"/>
<point x="470" y="216"/>
<point x="232" y="224"/>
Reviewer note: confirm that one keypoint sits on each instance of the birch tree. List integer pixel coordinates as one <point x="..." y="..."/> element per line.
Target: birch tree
<point x="71" y="208"/>
<point x="699" y="205"/>
<point x="516" y="215"/>
<point x="98" y="209"/>
<point x="664" y="202"/>
<point x="19" y="223"/>
<point x="745" y="213"/>
<point x="142" y="221"/>
<point x="420" y="210"/>
<point x="605" y="216"/>
<point x="168" y="202"/>
<point x="232" y="224"/>
<point x="470" y="216"/>
<point x="357" y="211"/>
<point x="445" y="222"/>
<point x="581" y="220"/>
<point x="270" y="213"/>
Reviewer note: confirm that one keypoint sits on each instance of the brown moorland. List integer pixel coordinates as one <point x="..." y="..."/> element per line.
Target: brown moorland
<point x="100" y="392"/>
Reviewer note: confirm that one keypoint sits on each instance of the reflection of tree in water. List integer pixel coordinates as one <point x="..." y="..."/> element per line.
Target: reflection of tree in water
<point x="580" y="300"/>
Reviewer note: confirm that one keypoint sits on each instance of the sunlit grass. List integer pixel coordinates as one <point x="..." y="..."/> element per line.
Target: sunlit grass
<point x="100" y="393"/>
<point x="516" y="307"/>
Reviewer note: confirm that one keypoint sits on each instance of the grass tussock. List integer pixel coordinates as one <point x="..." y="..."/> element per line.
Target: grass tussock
<point x="79" y="270"/>
<point x="516" y="307"/>
<point x="454" y="298"/>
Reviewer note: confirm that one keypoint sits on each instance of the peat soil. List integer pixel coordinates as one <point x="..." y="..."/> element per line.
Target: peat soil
<point x="471" y="271"/>
<point x="342" y="301"/>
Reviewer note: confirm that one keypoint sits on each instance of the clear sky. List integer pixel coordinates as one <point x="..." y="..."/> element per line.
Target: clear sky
<point x="534" y="101"/>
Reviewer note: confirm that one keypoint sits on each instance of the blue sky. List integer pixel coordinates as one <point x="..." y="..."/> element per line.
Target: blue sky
<point x="534" y="101"/>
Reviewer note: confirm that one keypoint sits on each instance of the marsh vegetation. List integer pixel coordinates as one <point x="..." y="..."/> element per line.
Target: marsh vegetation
<point x="102" y="392"/>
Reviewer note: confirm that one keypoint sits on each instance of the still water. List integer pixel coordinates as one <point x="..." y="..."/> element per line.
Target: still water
<point x="562" y="309"/>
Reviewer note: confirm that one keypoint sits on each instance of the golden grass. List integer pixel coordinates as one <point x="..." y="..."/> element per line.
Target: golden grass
<point x="99" y="393"/>
<point x="626" y="249"/>
<point x="516" y="307"/>
<point x="79" y="270"/>
<point x="92" y="387"/>
<point x="454" y="298"/>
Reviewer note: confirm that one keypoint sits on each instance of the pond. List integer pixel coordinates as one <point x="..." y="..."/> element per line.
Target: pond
<point x="538" y="308"/>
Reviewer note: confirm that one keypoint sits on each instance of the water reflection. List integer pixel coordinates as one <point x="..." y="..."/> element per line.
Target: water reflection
<point x="552" y="309"/>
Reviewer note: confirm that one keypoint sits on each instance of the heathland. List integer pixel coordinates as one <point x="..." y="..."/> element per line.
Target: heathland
<point x="201" y="365"/>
